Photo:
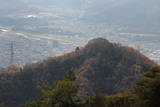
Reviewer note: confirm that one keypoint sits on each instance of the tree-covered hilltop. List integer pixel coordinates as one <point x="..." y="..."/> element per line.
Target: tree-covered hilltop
<point x="108" y="67"/>
<point x="145" y="94"/>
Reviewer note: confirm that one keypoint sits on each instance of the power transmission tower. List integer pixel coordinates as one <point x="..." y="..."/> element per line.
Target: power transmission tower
<point x="12" y="53"/>
<point x="138" y="62"/>
<point x="137" y="55"/>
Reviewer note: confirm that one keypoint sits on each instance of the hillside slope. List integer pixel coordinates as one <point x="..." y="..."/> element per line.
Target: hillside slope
<point x="100" y="65"/>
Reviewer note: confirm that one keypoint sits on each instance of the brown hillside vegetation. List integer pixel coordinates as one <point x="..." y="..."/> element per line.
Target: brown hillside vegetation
<point x="100" y="65"/>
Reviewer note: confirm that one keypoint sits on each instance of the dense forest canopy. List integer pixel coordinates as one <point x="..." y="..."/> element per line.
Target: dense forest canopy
<point x="100" y="65"/>
<point x="145" y="94"/>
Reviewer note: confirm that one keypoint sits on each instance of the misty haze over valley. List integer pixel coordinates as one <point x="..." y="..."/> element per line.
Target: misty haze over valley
<point x="37" y="29"/>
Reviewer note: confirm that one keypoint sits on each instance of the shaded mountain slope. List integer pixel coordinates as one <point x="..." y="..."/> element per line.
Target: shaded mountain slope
<point x="100" y="65"/>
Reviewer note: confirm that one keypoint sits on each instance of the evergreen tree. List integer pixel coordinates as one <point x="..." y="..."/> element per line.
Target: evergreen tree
<point x="63" y="95"/>
<point x="71" y="75"/>
<point x="148" y="89"/>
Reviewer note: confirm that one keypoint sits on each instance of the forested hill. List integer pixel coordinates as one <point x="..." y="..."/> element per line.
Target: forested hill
<point x="100" y="65"/>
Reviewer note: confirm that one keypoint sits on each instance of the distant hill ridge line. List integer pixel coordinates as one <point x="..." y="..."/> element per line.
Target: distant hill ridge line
<point x="108" y="67"/>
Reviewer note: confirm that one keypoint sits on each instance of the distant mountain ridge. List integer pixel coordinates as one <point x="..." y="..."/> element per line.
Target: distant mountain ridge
<point x="100" y="65"/>
<point x="11" y="5"/>
<point x="143" y="13"/>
